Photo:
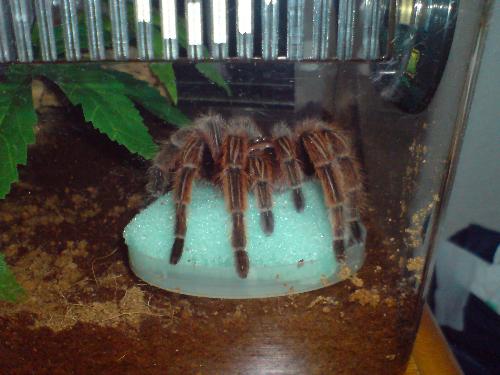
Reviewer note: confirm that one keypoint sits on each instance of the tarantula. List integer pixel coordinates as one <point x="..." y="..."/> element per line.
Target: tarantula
<point x="237" y="156"/>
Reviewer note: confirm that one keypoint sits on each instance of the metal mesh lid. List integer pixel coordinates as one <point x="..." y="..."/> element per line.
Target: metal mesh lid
<point x="94" y="30"/>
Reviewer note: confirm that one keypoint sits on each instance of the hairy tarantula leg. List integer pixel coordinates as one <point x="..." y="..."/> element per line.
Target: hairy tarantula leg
<point x="317" y="148"/>
<point x="336" y="210"/>
<point x="266" y="218"/>
<point x="355" y="228"/>
<point x="191" y="158"/>
<point x="180" y="231"/>
<point x="348" y="172"/>
<point x="353" y="218"/>
<point x="263" y="191"/>
<point x="239" y="244"/>
<point x="235" y="187"/>
<point x="261" y="175"/>
<point x="336" y="218"/>
<point x="289" y="163"/>
<point x="159" y="174"/>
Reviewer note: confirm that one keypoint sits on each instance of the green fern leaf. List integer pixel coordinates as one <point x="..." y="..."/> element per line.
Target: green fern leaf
<point x="10" y="290"/>
<point x="105" y="104"/>
<point x="150" y="99"/>
<point x="165" y="73"/>
<point x="17" y="119"/>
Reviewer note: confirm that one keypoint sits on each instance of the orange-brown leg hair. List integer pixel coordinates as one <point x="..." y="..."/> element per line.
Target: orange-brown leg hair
<point x="348" y="174"/>
<point x="353" y="197"/>
<point x="289" y="164"/>
<point x="189" y="164"/>
<point x="235" y="188"/>
<point x="161" y="174"/>
<point x="260" y="168"/>
<point x="317" y="146"/>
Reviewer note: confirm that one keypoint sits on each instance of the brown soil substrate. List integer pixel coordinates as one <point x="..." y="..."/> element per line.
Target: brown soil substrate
<point x="86" y="313"/>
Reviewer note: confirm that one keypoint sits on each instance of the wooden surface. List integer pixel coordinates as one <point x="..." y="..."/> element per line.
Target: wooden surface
<point x="431" y="355"/>
<point x="412" y="368"/>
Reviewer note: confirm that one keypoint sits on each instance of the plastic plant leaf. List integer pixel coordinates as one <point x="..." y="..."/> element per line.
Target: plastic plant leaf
<point x="182" y="32"/>
<point x="105" y="104"/>
<point x="157" y="38"/>
<point x="17" y="119"/>
<point x="165" y="73"/>
<point x="150" y="99"/>
<point x="157" y="42"/>
<point x="209" y="70"/>
<point x="82" y="36"/>
<point x="10" y="290"/>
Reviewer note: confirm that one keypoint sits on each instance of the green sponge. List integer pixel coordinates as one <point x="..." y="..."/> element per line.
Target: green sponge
<point x="296" y="257"/>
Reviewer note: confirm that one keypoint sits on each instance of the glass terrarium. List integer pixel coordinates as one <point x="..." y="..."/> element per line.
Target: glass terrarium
<point x="225" y="187"/>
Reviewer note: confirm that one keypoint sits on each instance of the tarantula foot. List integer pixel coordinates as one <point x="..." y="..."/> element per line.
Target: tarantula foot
<point x="177" y="248"/>
<point x="267" y="222"/>
<point x="242" y="263"/>
<point x="298" y="199"/>
<point x="355" y="237"/>
<point x="339" y="249"/>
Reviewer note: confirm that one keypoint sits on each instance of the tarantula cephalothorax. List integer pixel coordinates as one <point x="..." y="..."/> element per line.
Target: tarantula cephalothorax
<point x="238" y="156"/>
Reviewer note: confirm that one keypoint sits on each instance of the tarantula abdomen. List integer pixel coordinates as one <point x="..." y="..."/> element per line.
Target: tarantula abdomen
<point x="242" y="160"/>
